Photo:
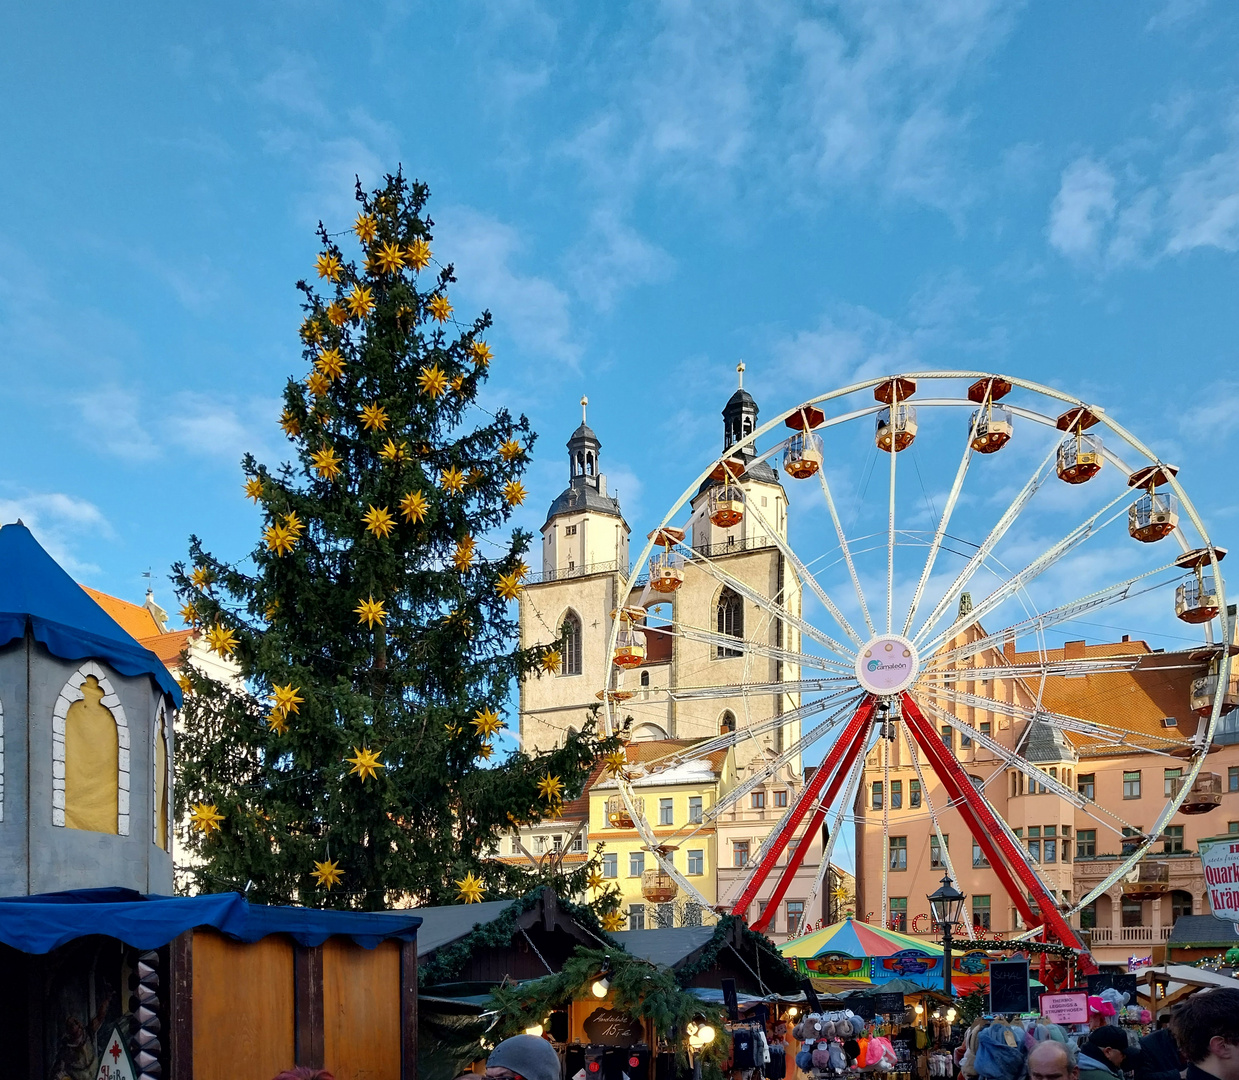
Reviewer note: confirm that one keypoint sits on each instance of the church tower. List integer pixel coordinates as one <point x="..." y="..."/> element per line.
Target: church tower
<point x="583" y="577"/>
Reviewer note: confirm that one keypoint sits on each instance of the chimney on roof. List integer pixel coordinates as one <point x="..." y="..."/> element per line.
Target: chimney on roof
<point x="1074" y="650"/>
<point x="965" y="605"/>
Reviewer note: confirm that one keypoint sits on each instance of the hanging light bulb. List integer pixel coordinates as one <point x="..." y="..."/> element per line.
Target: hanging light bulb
<point x="706" y="1034"/>
<point x="918" y="1009"/>
<point x="601" y="985"/>
<point x="534" y="1029"/>
<point x="950" y="1016"/>
<point x="793" y="1011"/>
<point x="691" y="1027"/>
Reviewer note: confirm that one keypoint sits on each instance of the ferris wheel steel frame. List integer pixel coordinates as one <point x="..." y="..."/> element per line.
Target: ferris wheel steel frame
<point x="1010" y="862"/>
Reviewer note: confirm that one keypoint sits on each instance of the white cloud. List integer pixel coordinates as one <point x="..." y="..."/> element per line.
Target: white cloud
<point x="612" y="257"/>
<point x="58" y="522"/>
<point x="1085" y="203"/>
<point x="113" y="420"/>
<point x="1203" y="204"/>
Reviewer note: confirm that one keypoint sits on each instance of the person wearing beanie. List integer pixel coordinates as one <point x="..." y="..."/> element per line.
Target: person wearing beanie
<point x="523" y="1057"/>
<point x="1102" y="1054"/>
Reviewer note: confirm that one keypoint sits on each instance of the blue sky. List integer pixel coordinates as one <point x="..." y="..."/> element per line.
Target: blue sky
<point x="642" y="194"/>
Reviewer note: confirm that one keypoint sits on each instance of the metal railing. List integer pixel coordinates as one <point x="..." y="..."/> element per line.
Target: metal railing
<point x="734" y="547"/>
<point x="585" y="570"/>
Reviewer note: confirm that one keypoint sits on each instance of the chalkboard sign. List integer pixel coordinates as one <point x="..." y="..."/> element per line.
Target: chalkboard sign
<point x="888" y="1003"/>
<point x="1124" y="984"/>
<point x="1008" y="986"/>
<point x="862" y="1007"/>
<point x="610" y="1027"/>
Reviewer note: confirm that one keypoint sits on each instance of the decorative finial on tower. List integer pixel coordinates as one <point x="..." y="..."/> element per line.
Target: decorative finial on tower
<point x="584" y="402"/>
<point x="740" y="371"/>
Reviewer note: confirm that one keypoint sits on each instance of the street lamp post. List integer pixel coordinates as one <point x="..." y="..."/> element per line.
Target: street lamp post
<point x="947" y="905"/>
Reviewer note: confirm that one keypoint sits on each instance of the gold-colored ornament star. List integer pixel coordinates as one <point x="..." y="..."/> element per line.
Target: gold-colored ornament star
<point x="452" y="480"/>
<point x="452" y="730"/>
<point x="462" y="557"/>
<point x="365" y="763"/>
<point x="458" y="383"/>
<point x="290" y="424"/>
<point x="485" y="751"/>
<point x="616" y="762"/>
<point x="365" y="227"/>
<point x="185" y="684"/>
<point x="279" y="539"/>
<point x="327" y="873"/>
<point x="595" y="880"/>
<point x="379" y="521"/>
<point x="221" y="640"/>
<point x="840" y="893"/>
<point x="360" y="301"/>
<point x="311" y="331"/>
<point x="371" y="611"/>
<point x="487" y="722"/>
<point x="521" y="570"/>
<point x="202" y="577"/>
<point x="253" y="488"/>
<point x="330" y="363"/>
<point x="550" y="788"/>
<point x="481" y="353"/>
<point x="294" y="524"/>
<point x="278" y="723"/>
<point x="514" y="492"/>
<point x="326" y="463"/>
<point x="440" y="308"/>
<point x="395" y="452"/>
<point x="510" y="450"/>
<point x="413" y="506"/>
<point x="270" y="610"/>
<point x="417" y="254"/>
<point x="373" y="417"/>
<point x="318" y="384"/>
<point x="613" y="921"/>
<point x="508" y="586"/>
<point x="474" y="477"/>
<point x="288" y="698"/>
<point x="389" y="259"/>
<point x="189" y="613"/>
<point x="470" y="889"/>
<point x="336" y="313"/>
<point x="432" y="381"/>
<point x="205" y="817"/>
<point x="550" y="661"/>
<point x="328" y="265"/>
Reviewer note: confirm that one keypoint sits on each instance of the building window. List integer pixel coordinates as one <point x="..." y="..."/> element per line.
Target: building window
<point x="665" y="812"/>
<point x="1232" y="778"/>
<point x="578" y="842"/>
<point x="948" y="736"/>
<point x="636" y="916"/>
<point x="914" y="794"/>
<point x="610" y="864"/>
<point x="936" y="853"/>
<point x="1086" y="843"/>
<point x="694" y="809"/>
<point x="986" y="727"/>
<point x="1086" y="784"/>
<point x="739" y="853"/>
<point x="1131" y="787"/>
<point x="1232" y="827"/>
<point x="1170" y="776"/>
<point x="557" y="842"/>
<point x="757" y="800"/>
<point x="780" y="798"/>
<point x="795" y="916"/>
<point x="636" y="863"/>
<point x="978" y="856"/>
<point x="692" y="914"/>
<point x="572" y="644"/>
<point x="1049" y="845"/>
<point x="877" y="795"/>
<point x="569" y="530"/>
<point x="730" y="620"/>
<point x="1034" y="842"/>
<point x="896" y="794"/>
<point x="1132" y="838"/>
<point x="645" y="678"/>
<point x="727" y="724"/>
<point x="539" y="845"/>
<point x="1180" y="905"/>
<point x="1133" y="913"/>
<point x="1088" y="916"/>
<point x="1172" y="840"/>
<point x="664" y="916"/>
<point x="899" y="913"/>
<point x="1065" y="846"/>
<point x="980" y="912"/>
<point x="696" y="861"/>
<point x="899" y="852"/>
<point x="965" y="741"/>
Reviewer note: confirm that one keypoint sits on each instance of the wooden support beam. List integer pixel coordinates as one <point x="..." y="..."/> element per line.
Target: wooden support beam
<point x="308" y="1005"/>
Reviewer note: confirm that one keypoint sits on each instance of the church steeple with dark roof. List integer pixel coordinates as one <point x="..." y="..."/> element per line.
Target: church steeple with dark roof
<point x="587" y="486"/>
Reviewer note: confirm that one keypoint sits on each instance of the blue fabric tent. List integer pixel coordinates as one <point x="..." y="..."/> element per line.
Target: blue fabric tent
<point x="36" y="593"/>
<point x="39" y="924"/>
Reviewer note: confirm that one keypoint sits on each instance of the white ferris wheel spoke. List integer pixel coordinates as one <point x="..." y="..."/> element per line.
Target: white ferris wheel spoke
<point x="771" y="606"/>
<point x="843" y="546"/>
<point x="756" y="648"/>
<point x="807" y="577"/>
<point x="846" y="798"/>
<point x="1032" y="670"/>
<point x="1034" y="569"/>
<point x="987" y="545"/>
<point x="766" y="689"/>
<point x="890" y="556"/>
<point x="943" y="523"/>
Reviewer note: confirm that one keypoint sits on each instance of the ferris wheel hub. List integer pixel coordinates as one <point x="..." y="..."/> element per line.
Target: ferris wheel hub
<point x="887" y="665"/>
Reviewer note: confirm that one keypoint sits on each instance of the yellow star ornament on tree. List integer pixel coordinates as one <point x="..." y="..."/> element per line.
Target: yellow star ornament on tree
<point x="311" y="332"/>
<point x="379" y="521"/>
<point x="365" y="763"/>
<point x="327" y="873"/>
<point x="452" y="480"/>
<point x="373" y="417"/>
<point x="326" y="463"/>
<point x="371" y="611"/>
<point x="205" y="817"/>
<point x="487" y="722"/>
<point x="595" y="880"/>
<point x="221" y="640"/>
<point x="417" y="254"/>
<point x="279" y="539"/>
<point x="393" y="451"/>
<point x="616" y="762"/>
<point x="440" y="308"/>
<point x="485" y="751"/>
<point x="470" y="889"/>
<point x="287" y="698"/>
<point x="253" y="488"/>
<point x="508" y="586"/>
<point x="514" y="492"/>
<point x="613" y="921"/>
<point x="481" y="354"/>
<point x="201" y="577"/>
<point x="413" y="507"/>
<point x="510" y="450"/>
<point x="189" y="614"/>
<point x="278" y="722"/>
<point x="318" y="384"/>
<point x="432" y="381"/>
<point x="336" y="313"/>
<point x="366" y="228"/>
<point x="550" y="788"/>
<point x="463" y="556"/>
<point x="550" y="661"/>
<point x="330" y="363"/>
<point x="328" y="266"/>
<point x="290" y="424"/>
<point x="360" y="301"/>
<point x="390" y="259"/>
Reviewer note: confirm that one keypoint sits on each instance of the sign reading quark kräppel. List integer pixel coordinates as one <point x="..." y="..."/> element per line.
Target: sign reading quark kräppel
<point x="1220" y="859"/>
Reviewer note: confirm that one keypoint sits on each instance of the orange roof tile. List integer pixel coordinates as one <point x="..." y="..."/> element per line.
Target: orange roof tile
<point x="168" y="647"/>
<point x="134" y="619"/>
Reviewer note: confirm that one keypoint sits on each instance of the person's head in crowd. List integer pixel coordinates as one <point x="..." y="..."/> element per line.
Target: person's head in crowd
<point x="1051" y="1060"/>
<point x="1108" y="1044"/>
<point x="523" y="1057"/>
<point x="1206" y="1027"/>
<point x="1163" y="1021"/>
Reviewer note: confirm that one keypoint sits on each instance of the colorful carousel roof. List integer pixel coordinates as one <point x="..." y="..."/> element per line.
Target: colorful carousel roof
<point x="856" y="939"/>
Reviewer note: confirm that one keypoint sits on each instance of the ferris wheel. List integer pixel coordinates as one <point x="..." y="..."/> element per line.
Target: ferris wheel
<point x="943" y="532"/>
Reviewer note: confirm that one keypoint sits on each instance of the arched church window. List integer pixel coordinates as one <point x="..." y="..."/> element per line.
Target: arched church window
<point x="728" y="723"/>
<point x="748" y="425"/>
<point x="92" y="757"/>
<point x="589" y="464"/>
<point x="645" y="678"/>
<point x="730" y="620"/>
<point x="572" y="644"/>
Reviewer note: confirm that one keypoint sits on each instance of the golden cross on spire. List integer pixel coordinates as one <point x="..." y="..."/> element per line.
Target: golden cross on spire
<point x="740" y="372"/>
<point x="584" y="402"/>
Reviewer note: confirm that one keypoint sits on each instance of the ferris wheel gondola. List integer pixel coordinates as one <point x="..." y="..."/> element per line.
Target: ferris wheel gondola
<point x="856" y="677"/>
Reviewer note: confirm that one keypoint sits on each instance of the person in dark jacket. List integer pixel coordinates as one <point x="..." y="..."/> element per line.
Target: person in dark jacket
<point x="1206" y="1027"/>
<point x="1102" y="1054"/>
<point x="1159" y="1057"/>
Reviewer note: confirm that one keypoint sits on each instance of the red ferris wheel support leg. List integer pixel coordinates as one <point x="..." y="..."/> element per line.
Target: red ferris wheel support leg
<point x="808" y="798"/>
<point x="946" y="764"/>
<point x="815" y="823"/>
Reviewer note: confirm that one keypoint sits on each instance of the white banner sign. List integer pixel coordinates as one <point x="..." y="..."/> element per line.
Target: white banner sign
<point x="1220" y="859"/>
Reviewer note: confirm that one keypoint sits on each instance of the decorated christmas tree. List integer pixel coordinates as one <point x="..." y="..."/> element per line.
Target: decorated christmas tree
<point x="353" y="762"/>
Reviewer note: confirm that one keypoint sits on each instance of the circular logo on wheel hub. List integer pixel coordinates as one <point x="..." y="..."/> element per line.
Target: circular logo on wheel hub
<point x="887" y="665"/>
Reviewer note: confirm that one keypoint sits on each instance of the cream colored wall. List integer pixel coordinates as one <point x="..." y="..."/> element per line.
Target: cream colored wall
<point x="599" y="538"/>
